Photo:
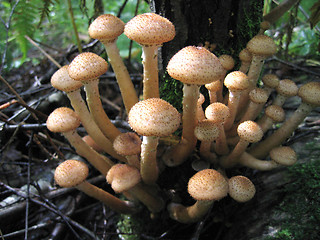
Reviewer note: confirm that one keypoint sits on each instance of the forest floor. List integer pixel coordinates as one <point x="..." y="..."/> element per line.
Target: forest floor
<point x="32" y="206"/>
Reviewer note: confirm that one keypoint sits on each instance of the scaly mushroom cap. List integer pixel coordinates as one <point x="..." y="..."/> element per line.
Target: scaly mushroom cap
<point x="106" y="27"/>
<point x="87" y="66"/>
<point x="71" y="173"/>
<point x="63" y="82"/>
<point x="63" y="119"/>
<point x="270" y="80"/>
<point x="236" y="81"/>
<point x="122" y="177"/>
<point x="226" y="61"/>
<point x="287" y="88"/>
<point x="276" y="113"/>
<point x="195" y="65"/>
<point x="149" y="29"/>
<point x="250" y="131"/>
<point x="214" y="86"/>
<point x="241" y="188"/>
<point x="206" y="130"/>
<point x="258" y="96"/>
<point x="283" y="155"/>
<point x="245" y="55"/>
<point x="310" y="93"/>
<point x="208" y="185"/>
<point x="127" y="144"/>
<point x="262" y="45"/>
<point x="217" y="112"/>
<point x="154" y="117"/>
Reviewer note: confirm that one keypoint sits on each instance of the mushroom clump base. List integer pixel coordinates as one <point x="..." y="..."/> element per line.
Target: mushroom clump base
<point x="235" y="130"/>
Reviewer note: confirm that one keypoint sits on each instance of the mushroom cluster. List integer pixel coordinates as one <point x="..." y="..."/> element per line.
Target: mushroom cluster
<point x="230" y="131"/>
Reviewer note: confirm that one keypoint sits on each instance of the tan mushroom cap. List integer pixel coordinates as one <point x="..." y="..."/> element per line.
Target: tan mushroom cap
<point x="310" y="93"/>
<point x="63" y="82"/>
<point x="270" y="80"/>
<point x="63" y="119"/>
<point x="283" y="155"/>
<point x="122" y="177"/>
<point x="127" y="144"/>
<point x="258" y="95"/>
<point x="106" y="27"/>
<point x="250" y="131"/>
<point x="206" y="130"/>
<point x="245" y="55"/>
<point x="287" y="88"/>
<point x="217" y="112"/>
<point x="262" y="45"/>
<point x="195" y="65"/>
<point x="87" y="66"/>
<point x="154" y="117"/>
<point x="226" y="61"/>
<point x="236" y="81"/>
<point x="241" y="188"/>
<point x="276" y="113"/>
<point x="71" y="173"/>
<point x="208" y="185"/>
<point x="149" y="29"/>
<point x="214" y="86"/>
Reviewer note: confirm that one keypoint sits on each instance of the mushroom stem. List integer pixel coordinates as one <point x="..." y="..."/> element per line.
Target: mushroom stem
<point x="148" y="165"/>
<point x="250" y="161"/>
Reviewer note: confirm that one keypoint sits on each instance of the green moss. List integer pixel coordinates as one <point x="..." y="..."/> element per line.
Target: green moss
<point x="171" y="91"/>
<point x="130" y="227"/>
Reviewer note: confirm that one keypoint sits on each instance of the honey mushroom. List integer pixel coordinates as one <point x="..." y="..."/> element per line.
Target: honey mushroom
<point x="245" y="58"/>
<point x="272" y="114"/>
<point x="241" y="188"/>
<point x="285" y="89"/>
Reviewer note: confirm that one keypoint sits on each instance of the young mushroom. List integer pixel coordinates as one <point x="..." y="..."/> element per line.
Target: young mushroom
<point x="285" y="89"/>
<point x="272" y="114"/>
<point x="152" y="118"/>
<point x="106" y="28"/>
<point x="87" y="67"/>
<point x="150" y="30"/>
<point x="73" y="173"/>
<point x="205" y="187"/>
<point x="245" y="58"/>
<point x="66" y="121"/>
<point x="241" y="188"/>
<point x="193" y="66"/>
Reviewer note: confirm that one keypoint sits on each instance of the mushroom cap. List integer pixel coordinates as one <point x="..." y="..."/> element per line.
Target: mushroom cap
<point x="245" y="55"/>
<point x="63" y="82"/>
<point x="127" y="144"/>
<point x="208" y="185"/>
<point x="250" y="131"/>
<point x="106" y="27"/>
<point x="241" y="188"/>
<point x="87" y="66"/>
<point x="149" y="29"/>
<point x="195" y="65"/>
<point x="310" y="93"/>
<point x="71" y="173"/>
<point x="236" y="81"/>
<point x="283" y="155"/>
<point x="206" y="130"/>
<point x="258" y="96"/>
<point x="287" y="88"/>
<point x="217" y="112"/>
<point x="276" y="113"/>
<point x="154" y="117"/>
<point x="270" y="80"/>
<point x="63" y="119"/>
<point x="262" y="45"/>
<point x="214" y="86"/>
<point x="122" y="177"/>
<point x="226" y="61"/>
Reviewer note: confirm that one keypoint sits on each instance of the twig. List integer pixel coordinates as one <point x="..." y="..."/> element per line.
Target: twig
<point x="74" y="26"/>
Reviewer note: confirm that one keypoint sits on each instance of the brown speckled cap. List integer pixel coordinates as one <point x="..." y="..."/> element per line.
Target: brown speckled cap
<point x="154" y="117"/>
<point x="217" y="112"/>
<point x="226" y="61"/>
<point x="245" y="55"/>
<point x="208" y="185"/>
<point x="258" y="96"/>
<point x="241" y="188"/>
<point x="236" y="81"/>
<point x="87" y="66"/>
<point x="106" y="27"/>
<point x="195" y="65"/>
<point x="283" y="155"/>
<point x="250" y="131"/>
<point x="310" y="93"/>
<point x="122" y="177"/>
<point x="276" y="113"/>
<point x="71" y="173"/>
<point x="270" y="80"/>
<point x="262" y="45"/>
<point x="63" y="82"/>
<point x="149" y="29"/>
<point x="63" y="119"/>
<point x="206" y="130"/>
<point x="127" y="144"/>
<point x="287" y="88"/>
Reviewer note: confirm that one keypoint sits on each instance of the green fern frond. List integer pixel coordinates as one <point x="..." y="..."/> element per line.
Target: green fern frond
<point x="45" y="10"/>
